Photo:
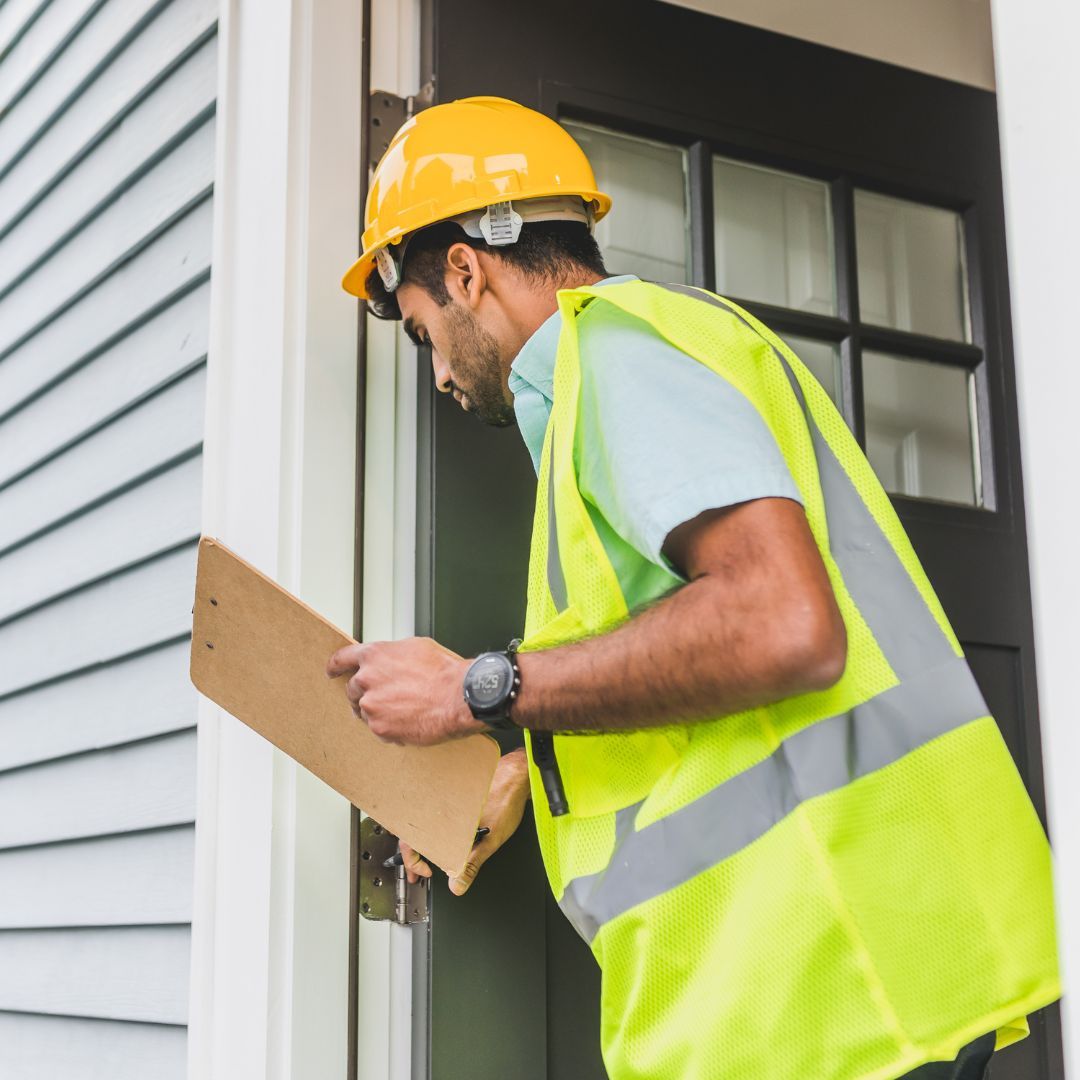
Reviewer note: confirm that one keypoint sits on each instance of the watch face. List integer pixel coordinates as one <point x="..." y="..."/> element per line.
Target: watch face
<point x="489" y="680"/>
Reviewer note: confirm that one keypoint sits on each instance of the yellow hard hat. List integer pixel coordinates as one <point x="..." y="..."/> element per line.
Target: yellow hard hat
<point x="467" y="155"/>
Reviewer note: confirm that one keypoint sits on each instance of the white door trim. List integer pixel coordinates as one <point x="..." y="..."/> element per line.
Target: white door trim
<point x="269" y="989"/>
<point x="386" y="993"/>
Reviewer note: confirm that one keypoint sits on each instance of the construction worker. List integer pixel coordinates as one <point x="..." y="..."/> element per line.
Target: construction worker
<point x="767" y="791"/>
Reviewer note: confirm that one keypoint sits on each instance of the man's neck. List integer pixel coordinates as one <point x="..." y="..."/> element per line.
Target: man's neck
<point x="536" y="306"/>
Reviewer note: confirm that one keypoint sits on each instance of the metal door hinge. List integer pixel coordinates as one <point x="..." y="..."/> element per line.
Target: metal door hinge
<point x="386" y="893"/>
<point x="387" y="112"/>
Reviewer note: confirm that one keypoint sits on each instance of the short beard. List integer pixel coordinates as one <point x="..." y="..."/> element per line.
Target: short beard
<point x="474" y="358"/>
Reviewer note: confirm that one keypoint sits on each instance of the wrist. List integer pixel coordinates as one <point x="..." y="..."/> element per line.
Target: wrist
<point x="516" y="766"/>
<point x="526" y="701"/>
<point x="516" y="759"/>
<point x="466" y="723"/>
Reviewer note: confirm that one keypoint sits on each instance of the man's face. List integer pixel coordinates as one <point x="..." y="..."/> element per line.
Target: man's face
<point x="465" y="356"/>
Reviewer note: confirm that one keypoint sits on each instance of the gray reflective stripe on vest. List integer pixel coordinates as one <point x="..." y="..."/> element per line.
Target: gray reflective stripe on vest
<point x="936" y="694"/>
<point x="821" y="758"/>
<point x="556" y="581"/>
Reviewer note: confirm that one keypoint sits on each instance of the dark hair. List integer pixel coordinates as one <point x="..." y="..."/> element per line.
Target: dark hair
<point x="545" y="251"/>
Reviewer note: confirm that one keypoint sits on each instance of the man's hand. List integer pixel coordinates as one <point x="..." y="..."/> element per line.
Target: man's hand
<point x="502" y="814"/>
<point x="407" y="692"/>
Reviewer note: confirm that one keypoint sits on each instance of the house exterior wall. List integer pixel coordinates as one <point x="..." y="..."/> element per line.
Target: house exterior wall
<point x="107" y="129"/>
<point x="109" y="334"/>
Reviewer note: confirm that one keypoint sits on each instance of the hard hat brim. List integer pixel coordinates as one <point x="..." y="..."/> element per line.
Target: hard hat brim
<point x="355" y="279"/>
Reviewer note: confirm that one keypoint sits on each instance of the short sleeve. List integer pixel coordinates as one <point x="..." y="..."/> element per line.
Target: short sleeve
<point x="662" y="438"/>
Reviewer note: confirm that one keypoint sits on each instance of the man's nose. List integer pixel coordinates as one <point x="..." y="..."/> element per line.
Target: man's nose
<point x="443" y="382"/>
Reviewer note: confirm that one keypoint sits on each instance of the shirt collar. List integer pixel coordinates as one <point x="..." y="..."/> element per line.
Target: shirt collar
<point x="534" y="365"/>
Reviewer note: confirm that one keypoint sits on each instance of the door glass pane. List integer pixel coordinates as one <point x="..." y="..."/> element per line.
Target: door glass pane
<point x="920" y="437"/>
<point x="645" y="233"/>
<point x="823" y="360"/>
<point x="911" y="267"/>
<point x="773" y="237"/>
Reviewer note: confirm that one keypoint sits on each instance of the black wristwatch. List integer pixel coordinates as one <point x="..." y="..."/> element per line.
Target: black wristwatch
<point x="491" y="685"/>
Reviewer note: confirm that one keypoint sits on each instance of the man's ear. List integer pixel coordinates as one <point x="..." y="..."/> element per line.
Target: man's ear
<point x="465" y="278"/>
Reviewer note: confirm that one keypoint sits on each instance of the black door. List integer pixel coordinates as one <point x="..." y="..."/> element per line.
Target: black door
<point x="856" y="207"/>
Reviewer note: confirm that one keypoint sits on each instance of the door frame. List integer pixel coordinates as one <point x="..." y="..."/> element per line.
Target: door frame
<point x="387" y="979"/>
<point x="1038" y="83"/>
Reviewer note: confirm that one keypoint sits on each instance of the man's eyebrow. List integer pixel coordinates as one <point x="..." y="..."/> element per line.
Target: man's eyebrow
<point x="410" y="330"/>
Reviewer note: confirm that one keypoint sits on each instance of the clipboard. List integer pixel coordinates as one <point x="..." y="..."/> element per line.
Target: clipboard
<point x="260" y="653"/>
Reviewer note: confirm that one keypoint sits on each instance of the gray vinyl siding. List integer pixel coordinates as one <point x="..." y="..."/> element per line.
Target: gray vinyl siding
<point x="106" y="202"/>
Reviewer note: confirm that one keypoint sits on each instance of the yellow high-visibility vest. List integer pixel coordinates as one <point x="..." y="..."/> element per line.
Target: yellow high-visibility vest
<point x="844" y="884"/>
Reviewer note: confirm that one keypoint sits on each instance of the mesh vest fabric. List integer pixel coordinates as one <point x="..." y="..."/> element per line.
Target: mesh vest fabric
<point x="845" y="884"/>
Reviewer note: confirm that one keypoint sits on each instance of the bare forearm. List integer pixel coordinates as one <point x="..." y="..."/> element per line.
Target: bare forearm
<point x="700" y="652"/>
<point x="757" y="623"/>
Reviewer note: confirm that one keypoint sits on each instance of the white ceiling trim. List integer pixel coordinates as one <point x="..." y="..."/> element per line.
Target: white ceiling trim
<point x="948" y="38"/>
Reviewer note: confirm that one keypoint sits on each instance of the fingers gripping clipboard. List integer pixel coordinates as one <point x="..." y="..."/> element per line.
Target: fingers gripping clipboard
<point x="261" y="654"/>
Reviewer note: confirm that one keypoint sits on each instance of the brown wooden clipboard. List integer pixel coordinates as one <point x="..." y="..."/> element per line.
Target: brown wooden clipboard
<point x="261" y="654"/>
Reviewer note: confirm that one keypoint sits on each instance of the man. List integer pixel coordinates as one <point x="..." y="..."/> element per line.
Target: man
<point x="767" y="791"/>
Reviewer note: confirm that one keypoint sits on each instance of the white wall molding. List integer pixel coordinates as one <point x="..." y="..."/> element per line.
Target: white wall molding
<point x="947" y="38"/>
<point x="270" y="919"/>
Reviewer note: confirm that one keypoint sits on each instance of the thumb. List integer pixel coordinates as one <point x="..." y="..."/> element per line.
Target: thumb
<point x="460" y="883"/>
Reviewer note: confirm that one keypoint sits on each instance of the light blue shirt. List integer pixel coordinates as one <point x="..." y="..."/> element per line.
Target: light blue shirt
<point x="660" y="438"/>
